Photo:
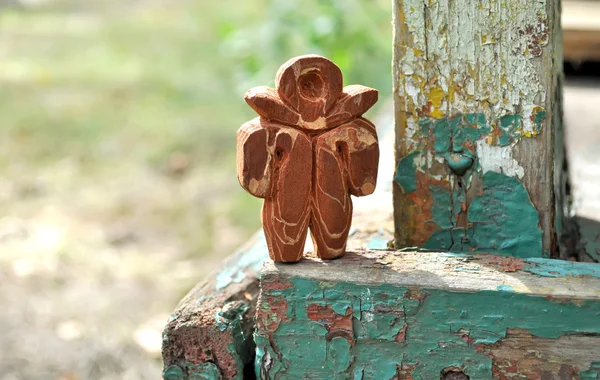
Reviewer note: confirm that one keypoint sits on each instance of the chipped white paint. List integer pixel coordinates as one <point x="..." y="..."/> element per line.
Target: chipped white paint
<point x="411" y="129"/>
<point x="498" y="159"/>
<point x="528" y="122"/>
<point x="476" y="52"/>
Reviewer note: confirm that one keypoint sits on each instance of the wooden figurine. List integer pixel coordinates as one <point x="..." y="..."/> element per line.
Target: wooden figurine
<point x="305" y="154"/>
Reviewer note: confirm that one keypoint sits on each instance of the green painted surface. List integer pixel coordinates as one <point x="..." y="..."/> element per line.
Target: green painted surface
<point x="253" y="258"/>
<point x="378" y="242"/>
<point x="561" y="268"/>
<point x="504" y="219"/>
<point x="501" y="217"/>
<point x="231" y="317"/>
<point x="505" y="288"/>
<point x="406" y="175"/>
<point x="203" y="371"/>
<point x="456" y="134"/>
<point x="442" y="329"/>
<point x="593" y="373"/>
<point x="459" y="163"/>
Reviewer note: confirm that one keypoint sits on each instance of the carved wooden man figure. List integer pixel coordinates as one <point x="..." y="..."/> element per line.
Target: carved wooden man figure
<point x="306" y="153"/>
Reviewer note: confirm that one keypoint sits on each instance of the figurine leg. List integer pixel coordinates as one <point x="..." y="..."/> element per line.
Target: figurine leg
<point x="285" y="240"/>
<point x="331" y="203"/>
<point x="286" y="214"/>
<point x="328" y="246"/>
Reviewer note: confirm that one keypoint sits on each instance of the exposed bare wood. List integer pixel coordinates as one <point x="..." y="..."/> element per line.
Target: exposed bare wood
<point x="457" y="273"/>
<point x="535" y="357"/>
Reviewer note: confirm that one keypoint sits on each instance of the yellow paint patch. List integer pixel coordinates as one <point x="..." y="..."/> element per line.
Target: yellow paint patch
<point x="436" y="97"/>
<point x="438" y="114"/>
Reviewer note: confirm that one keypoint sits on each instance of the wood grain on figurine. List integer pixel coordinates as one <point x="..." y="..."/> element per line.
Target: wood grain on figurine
<point x="305" y="154"/>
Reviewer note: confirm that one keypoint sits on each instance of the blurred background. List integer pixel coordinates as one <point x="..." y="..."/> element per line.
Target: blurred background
<point x="117" y="158"/>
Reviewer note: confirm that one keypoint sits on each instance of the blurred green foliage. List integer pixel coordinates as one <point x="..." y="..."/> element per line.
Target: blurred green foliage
<point x="355" y="34"/>
<point x="157" y="86"/>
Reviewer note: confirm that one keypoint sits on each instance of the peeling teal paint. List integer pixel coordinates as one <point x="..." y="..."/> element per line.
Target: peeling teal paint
<point x="443" y="329"/>
<point x="406" y="175"/>
<point x="442" y="207"/>
<point x="509" y="126"/>
<point x="561" y="268"/>
<point x="505" y="288"/>
<point x="504" y="219"/>
<point x="174" y="372"/>
<point x="456" y="134"/>
<point x="593" y="373"/>
<point x="254" y="257"/>
<point x="231" y="315"/>
<point x="202" y="371"/>
<point x="378" y="242"/>
<point x="463" y="130"/>
<point x="459" y="163"/>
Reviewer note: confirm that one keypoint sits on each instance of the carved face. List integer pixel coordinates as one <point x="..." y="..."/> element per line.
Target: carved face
<point x="310" y="86"/>
<point x="309" y="95"/>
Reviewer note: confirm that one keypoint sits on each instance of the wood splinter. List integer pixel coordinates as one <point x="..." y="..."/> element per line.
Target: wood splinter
<point x="305" y="154"/>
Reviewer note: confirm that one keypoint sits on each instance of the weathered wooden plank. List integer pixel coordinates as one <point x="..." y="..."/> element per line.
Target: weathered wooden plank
<point x="581" y="30"/>
<point x="478" y="126"/>
<point x="209" y="335"/>
<point x="426" y="315"/>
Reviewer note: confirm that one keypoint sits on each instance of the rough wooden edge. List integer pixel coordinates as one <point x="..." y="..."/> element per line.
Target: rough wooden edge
<point x="210" y="332"/>
<point x="452" y="272"/>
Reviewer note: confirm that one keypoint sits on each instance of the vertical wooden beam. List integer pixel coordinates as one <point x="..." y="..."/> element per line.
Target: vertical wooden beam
<point x="478" y="125"/>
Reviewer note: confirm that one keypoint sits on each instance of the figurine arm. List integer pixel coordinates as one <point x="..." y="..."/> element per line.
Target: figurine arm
<point x="253" y="159"/>
<point x="355" y="101"/>
<point x="360" y="152"/>
<point x="266" y="103"/>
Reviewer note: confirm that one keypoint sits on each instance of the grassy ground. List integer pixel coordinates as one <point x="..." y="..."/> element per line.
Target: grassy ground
<point x="117" y="181"/>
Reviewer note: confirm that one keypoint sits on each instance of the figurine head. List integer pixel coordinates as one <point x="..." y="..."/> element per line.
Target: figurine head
<point x="309" y="95"/>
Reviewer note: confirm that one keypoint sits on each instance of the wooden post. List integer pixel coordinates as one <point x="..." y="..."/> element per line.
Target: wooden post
<point x="479" y="146"/>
